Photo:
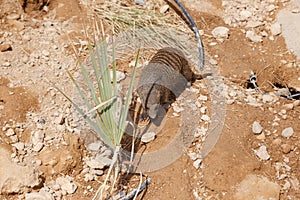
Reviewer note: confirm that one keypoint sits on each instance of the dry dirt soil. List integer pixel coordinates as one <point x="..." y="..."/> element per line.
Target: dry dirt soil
<point x="27" y="97"/>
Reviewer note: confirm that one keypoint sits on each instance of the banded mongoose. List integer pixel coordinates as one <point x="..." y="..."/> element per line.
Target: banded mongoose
<point x="163" y="80"/>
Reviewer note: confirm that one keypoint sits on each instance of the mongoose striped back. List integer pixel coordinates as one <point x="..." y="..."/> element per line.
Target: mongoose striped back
<point x="164" y="79"/>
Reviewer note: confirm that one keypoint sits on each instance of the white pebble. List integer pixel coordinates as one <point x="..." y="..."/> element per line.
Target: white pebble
<point x="287" y="132"/>
<point x="256" y="128"/>
<point x="220" y="33"/>
<point x="275" y="28"/>
<point x="262" y="153"/>
<point x="10" y="132"/>
<point x="19" y="146"/>
<point x="205" y="118"/>
<point x="148" y="137"/>
<point x="38" y="147"/>
<point x="197" y="163"/>
<point x="67" y="185"/>
<point x="251" y="35"/>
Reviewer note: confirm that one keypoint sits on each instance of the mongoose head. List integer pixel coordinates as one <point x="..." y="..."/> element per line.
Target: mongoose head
<point x="151" y="99"/>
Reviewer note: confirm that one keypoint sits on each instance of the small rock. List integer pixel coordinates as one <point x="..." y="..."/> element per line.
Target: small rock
<point x="249" y="188"/>
<point x="37" y="137"/>
<point x="6" y="64"/>
<point x="98" y="172"/>
<point x="13" y="16"/>
<point x="5" y="47"/>
<point x="104" y="160"/>
<point x="10" y="132"/>
<point x="251" y="35"/>
<point x="88" y="177"/>
<point x="38" y="147"/>
<point x="19" y="146"/>
<point x="139" y="2"/>
<point x="119" y="76"/>
<point x="46" y="53"/>
<point x="95" y="146"/>
<point x="253" y="24"/>
<point x="267" y="98"/>
<point x="296" y="103"/>
<point x="66" y="184"/>
<point x="244" y="15"/>
<point x="60" y="120"/>
<point x="287" y="132"/>
<point x="148" y="137"/>
<point x="286" y="186"/>
<point x="289" y="106"/>
<point x="197" y="163"/>
<point x="164" y="9"/>
<point x="14" y="138"/>
<point x="178" y="109"/>
<point x="261" y="136"/>
<point x="275" y="28"/>
<point x="205" y="118"/>
<point x="202" y="98"/>
<point x="220" y="33"/>
<point x="262" y="153"/>
<point x="213" y="61"/>
<point x="94" y="164"/>
<point x="256" y="128"/>
<point x="26" y="37"/>
<point x="286" y="148"/>
<point x="42" y="195"/>
<point x="193" y="155"/>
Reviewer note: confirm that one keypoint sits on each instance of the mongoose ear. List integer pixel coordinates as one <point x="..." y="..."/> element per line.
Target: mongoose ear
<point x="153" y="110"/>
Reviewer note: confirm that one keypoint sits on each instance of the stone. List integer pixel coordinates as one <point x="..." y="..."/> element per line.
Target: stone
<point x="19" y="146"/>
<point x="193" y="155"/>
<point x="164" y="9"/>
<point x="296" y="103"/>
<point x="286" y="148"/>
<point x="290" y="27"/>
<point x="177" y="109"/>
<point x="202" y="98"/>
<point x="5" y="47"/>
<point x="66" y="184"/>
<point x="139" y="2"/>
<point x="119" y="76"/>
<point x="10" y="132"/>
<point x="205" y="118"/>
<point x="42" y="195"/>
<point x="287" y="132"/>
<point x="197" y="163"/>
<point x="252" y="36"/>
<point x="13" y="16"/>
<point x="15" y="178"/>
<point x="250" y="188"/>
<point x="288" y="106"/>
<point x="95" y="146"/>
<point x="95" y="164"/>
<point x="267" y="98"/>
<point x="38" y="147"/>
<point x="244" y="15"/>
<point x="148" y="137"/>
<point x="262" y="153"/>
<point x="256" y="128"/>
<point x="220" y="33"/>
<point x="275" y="28"/>
<point x="37" y="137"/>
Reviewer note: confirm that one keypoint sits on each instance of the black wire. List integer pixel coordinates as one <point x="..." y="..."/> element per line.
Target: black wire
<point x="195" y="29"/>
